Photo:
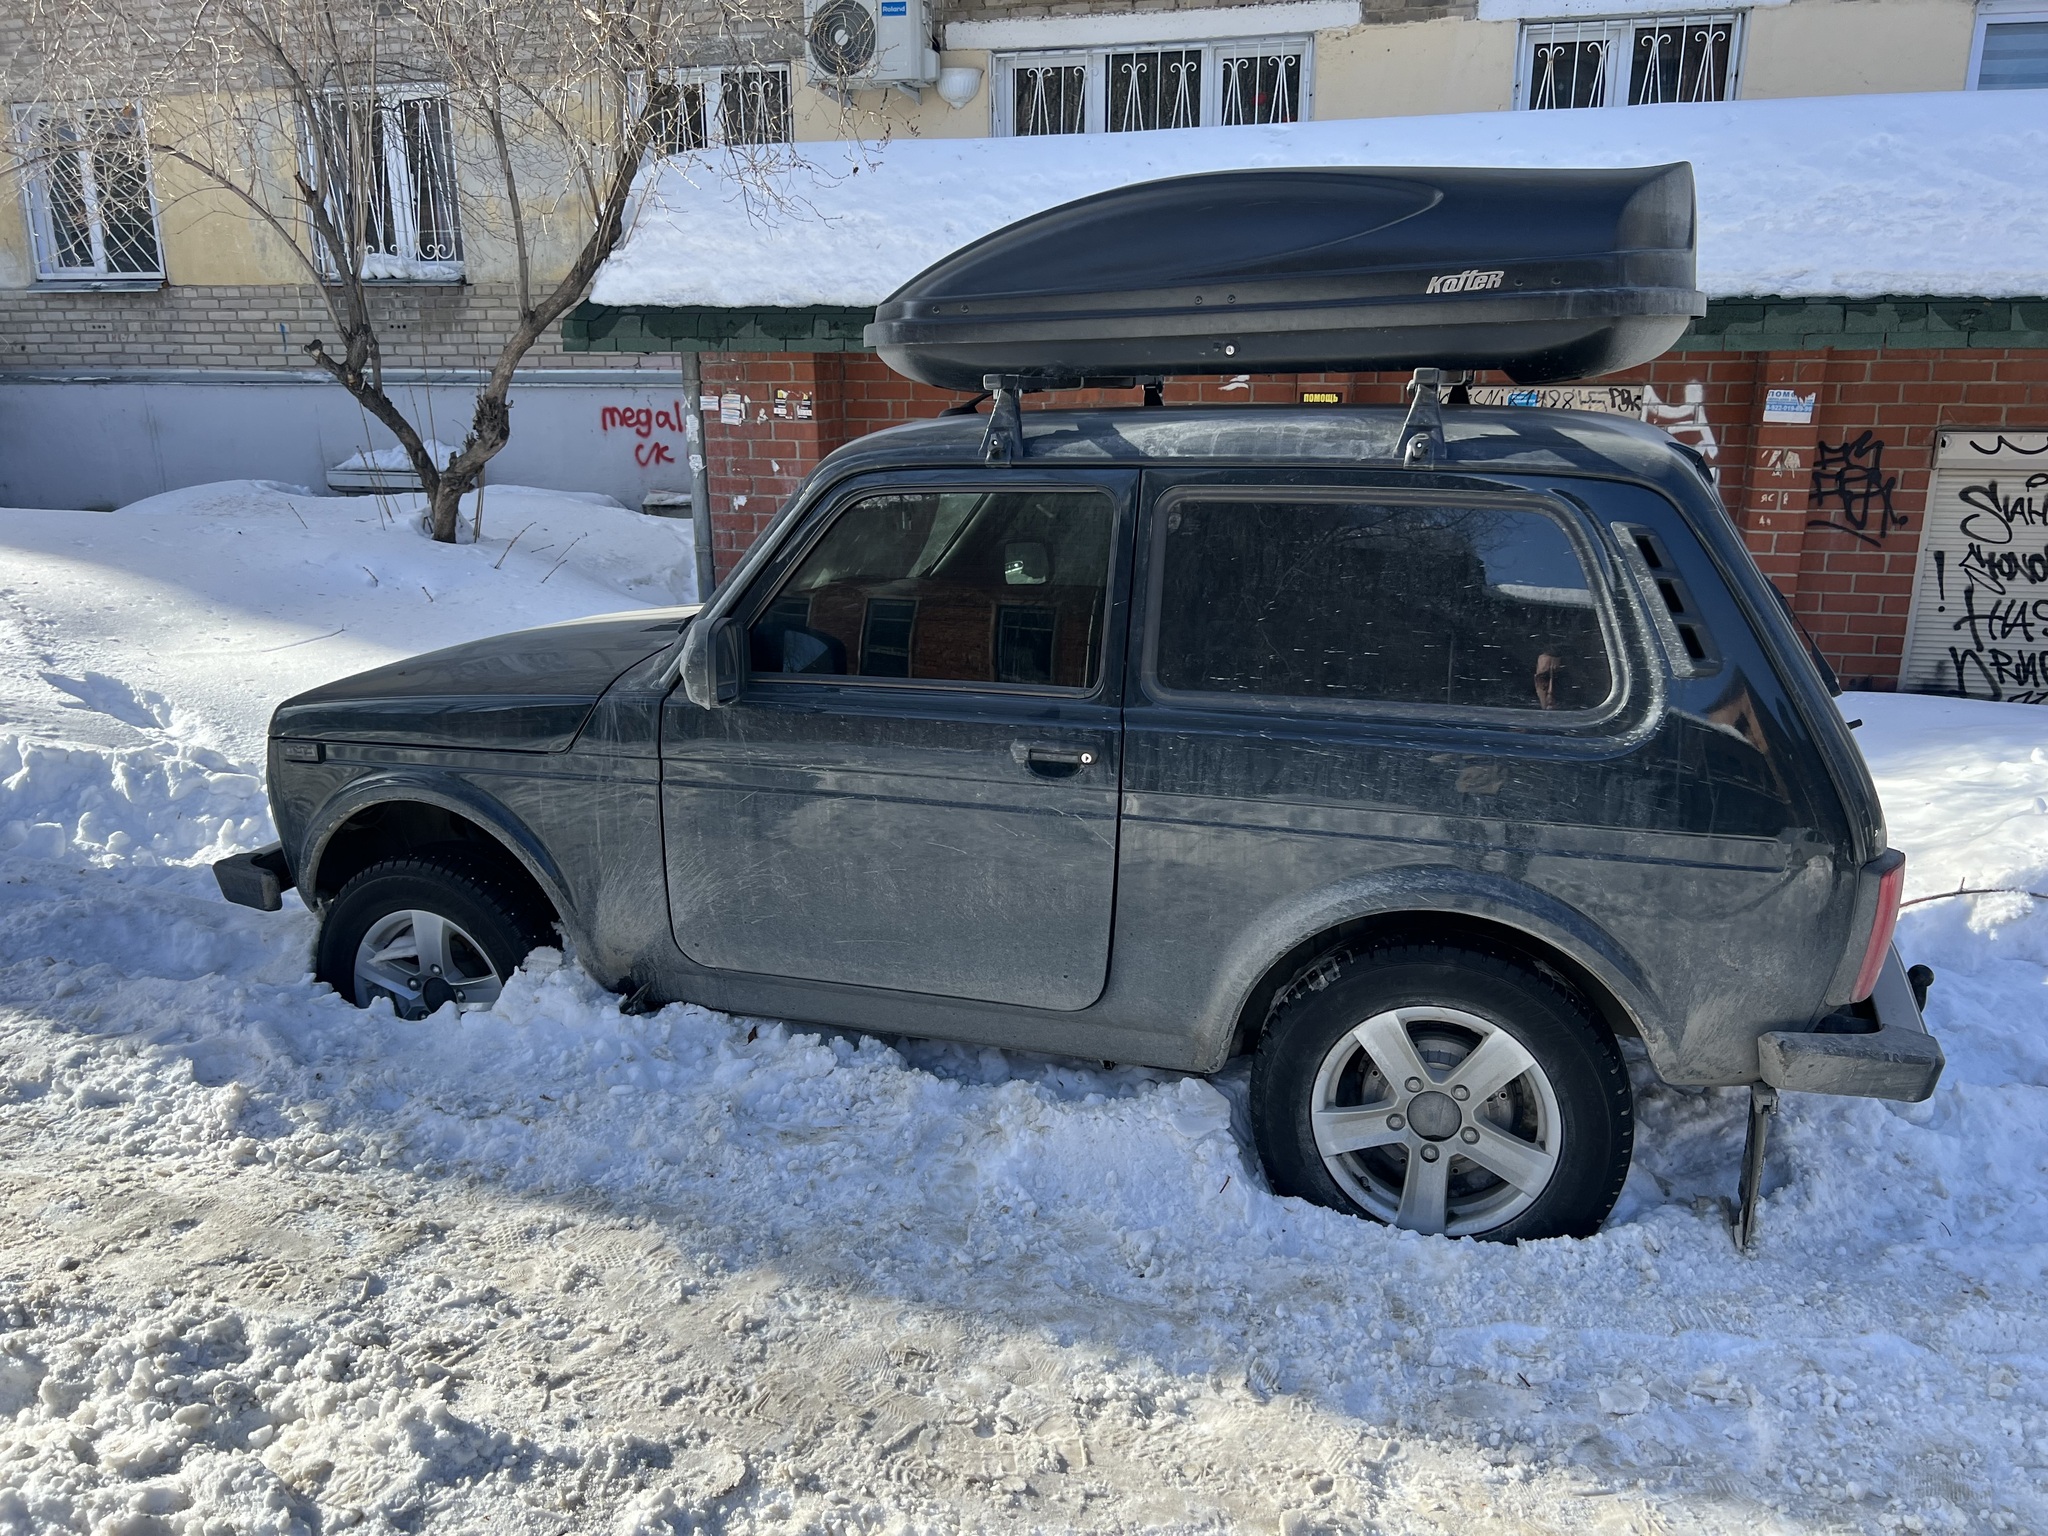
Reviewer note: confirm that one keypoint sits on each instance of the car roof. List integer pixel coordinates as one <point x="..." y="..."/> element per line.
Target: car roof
<point x="1511" y="438"/>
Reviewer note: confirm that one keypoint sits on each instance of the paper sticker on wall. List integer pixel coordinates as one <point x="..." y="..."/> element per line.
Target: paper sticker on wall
<point x="1789" y="406"/>
<point x="732" y="409"/>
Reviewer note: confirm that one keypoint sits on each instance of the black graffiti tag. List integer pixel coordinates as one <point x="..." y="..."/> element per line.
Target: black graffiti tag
<point x="1850" y="485"/>
<point x="2002" y="636"/>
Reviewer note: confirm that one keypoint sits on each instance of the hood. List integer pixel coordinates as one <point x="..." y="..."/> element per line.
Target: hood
<point x="529" y="691"/>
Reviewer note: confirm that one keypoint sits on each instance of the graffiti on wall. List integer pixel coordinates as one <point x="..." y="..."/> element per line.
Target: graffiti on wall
<point x="1997" y="590"/>
<point x="1852" y="491"/>
<point x="646" y="422"/>
<point x="1685" y="419"/>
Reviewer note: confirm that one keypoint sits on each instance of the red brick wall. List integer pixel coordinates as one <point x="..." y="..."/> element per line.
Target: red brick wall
<point x="1811" y="499"/>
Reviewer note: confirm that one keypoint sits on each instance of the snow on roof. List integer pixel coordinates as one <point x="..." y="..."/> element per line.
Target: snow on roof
<point x="1934" y="194"/>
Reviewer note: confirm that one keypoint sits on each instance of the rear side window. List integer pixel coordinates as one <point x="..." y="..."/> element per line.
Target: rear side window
<point x="1356" y="600"/>
<point x="996" y="587"/>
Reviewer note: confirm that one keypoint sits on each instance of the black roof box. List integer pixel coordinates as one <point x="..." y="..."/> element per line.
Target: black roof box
<point x="1541" y="274"/>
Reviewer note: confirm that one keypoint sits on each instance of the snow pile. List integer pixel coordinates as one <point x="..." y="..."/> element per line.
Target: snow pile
<point x="269" y="1264"/>
<point x="1843" y="196"/>
<point x="395" y="457"/>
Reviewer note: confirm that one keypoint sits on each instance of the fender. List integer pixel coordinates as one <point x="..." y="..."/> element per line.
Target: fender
<point x="450" y="793"/>
<point x="1424" y="889"/>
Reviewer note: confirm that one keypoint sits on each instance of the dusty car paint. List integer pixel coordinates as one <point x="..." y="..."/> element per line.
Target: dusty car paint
<point x="1696" y="852"/>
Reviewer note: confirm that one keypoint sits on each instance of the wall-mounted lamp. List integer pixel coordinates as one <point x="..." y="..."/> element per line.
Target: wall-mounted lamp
<point x="959" y="84"/>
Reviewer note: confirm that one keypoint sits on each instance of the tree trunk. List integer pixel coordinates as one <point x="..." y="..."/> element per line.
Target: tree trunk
<point x="444" y="506"/>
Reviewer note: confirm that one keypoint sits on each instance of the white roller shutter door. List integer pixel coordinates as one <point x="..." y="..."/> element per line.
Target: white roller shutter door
<point x="1978" y="626"/>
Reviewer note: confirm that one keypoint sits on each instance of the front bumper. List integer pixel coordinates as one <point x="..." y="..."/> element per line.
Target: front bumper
<point x="256" y="879"/>
<point x="1898" y="1060"/>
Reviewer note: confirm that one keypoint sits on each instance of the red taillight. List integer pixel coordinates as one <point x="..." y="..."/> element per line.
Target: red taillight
<point x="1890" y="886"/>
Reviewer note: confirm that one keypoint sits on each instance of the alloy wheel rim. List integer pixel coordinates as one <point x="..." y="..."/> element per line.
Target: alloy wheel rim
<point x="421" y="961"/>
<point x="1437" y="1120"/>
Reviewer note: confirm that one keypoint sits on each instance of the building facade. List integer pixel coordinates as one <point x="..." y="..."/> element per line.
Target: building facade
<point x="133" y="305"/>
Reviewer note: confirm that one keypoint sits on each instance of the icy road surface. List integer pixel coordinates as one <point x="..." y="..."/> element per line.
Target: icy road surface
<point x="269" y="1264"/>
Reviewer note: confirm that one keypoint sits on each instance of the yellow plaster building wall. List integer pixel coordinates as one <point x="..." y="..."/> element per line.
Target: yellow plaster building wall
<point x="1850" y="47"/>
<point x="1413" y="69"/>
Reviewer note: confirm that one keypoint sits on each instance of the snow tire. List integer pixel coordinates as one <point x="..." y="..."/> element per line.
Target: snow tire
<point x="1587" y="1108"/>
<point x="489" y="909"/>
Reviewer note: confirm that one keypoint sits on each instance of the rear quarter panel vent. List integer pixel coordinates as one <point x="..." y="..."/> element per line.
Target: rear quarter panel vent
<point x="1688" y="642"/>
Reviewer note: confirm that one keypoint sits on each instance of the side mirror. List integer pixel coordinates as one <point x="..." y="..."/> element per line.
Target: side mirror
<point x="1026" y="565"/>
<point x="713" y="664"/>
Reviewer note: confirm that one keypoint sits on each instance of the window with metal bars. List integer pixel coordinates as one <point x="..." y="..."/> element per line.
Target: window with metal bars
<point x="1630" y="61"/>
<point x="731" y="105"/>
<point x="388" y="166"/>
<point x="91" y="210"/>
<point x="1133" y="89"/>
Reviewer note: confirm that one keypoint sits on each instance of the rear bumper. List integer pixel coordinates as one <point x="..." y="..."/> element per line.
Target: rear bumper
<point x="1899" y="1060"/>
<point x="256" y="879"/>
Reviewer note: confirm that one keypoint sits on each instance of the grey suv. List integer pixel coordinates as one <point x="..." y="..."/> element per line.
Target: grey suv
<point x="1427" y="780"/>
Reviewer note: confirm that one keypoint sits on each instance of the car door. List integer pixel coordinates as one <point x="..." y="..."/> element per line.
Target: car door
<point x="917" y="787"/>
<point x="1440" y="686"/>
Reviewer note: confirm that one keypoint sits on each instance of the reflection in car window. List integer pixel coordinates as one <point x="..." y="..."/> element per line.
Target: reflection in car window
<point x="1472" y="607"/>
<point x="955" y="586"/>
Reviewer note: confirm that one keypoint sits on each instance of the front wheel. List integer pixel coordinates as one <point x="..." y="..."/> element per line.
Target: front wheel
<point x="1445" y="1091"/>
<point x="425" y="931"/>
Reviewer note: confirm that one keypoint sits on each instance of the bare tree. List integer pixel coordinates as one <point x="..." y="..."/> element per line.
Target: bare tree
<point x="334" y="125"/>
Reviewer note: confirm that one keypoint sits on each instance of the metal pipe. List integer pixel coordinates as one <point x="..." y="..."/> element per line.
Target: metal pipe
<point x="700" y="475"/>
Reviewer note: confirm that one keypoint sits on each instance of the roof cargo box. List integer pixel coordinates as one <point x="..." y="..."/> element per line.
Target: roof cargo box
<point x="1543" y="275"/>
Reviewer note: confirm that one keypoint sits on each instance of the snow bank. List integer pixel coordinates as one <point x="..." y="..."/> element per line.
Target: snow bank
<point x="1844" y="196"/>
<point x="273" y="1265"/>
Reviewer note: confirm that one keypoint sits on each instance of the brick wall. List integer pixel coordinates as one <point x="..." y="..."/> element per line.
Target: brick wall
<point x="1832" y="509"/>
<point x="236" y="327"/>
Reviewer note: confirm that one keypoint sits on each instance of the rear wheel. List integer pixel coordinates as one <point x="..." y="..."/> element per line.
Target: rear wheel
<point x="425" y="931"/>
<point x="1447" y="1091"/>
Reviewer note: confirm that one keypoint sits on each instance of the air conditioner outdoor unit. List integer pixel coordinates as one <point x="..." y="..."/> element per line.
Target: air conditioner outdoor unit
<point x="857" y="45"/>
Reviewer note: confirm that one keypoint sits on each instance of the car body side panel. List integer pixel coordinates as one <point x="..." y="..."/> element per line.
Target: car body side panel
<point x="1699" y="886"/>
<point x="1667" y="832"/>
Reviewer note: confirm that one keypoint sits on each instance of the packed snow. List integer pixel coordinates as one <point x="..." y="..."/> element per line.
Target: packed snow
<point x="269" y="1264"/>
<point x="1838" y="196"/>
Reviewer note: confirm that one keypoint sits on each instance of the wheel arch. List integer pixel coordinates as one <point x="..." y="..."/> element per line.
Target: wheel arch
<point x="1445" y="907"/>
<point x="388" y="816"/>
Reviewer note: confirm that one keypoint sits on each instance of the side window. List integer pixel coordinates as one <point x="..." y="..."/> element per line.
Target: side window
<point x="1376" y="601"/>
<point x="999" y="587"/>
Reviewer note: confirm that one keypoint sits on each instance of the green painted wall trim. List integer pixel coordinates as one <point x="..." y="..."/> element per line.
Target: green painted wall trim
<point x="650" y="328"/>
<point x="1866" y="325"/>
<point x="1729" y="325"/>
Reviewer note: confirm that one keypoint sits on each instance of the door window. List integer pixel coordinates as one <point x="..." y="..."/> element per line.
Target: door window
<point x="996" y="587"/>
<point x="1466" y="607"/>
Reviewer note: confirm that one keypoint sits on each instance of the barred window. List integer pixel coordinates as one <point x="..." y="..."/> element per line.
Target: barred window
<point x="92" y="212"/>
<point x="1048" y="96"/>
<point x="388" y="165"/>
<point x="1134" y="89"/>
<point x="1629" y="62"/>
<point x="732" y="105"/>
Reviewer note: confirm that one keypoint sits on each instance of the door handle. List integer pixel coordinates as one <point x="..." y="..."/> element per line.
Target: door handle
<point x="1051" y="762"/>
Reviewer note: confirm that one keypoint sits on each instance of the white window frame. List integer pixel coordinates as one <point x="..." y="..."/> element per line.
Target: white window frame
<point x="1095" y="90"/>
<point x="710" y="79"/>
<point x="1989" y="14"/>
<point x="1621" y="30"/>
<point x="382" y="266"/>
<point x="42" y="230"/>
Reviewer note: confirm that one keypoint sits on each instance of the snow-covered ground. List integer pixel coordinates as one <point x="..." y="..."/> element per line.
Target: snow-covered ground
<point x="271" y="1264"/>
